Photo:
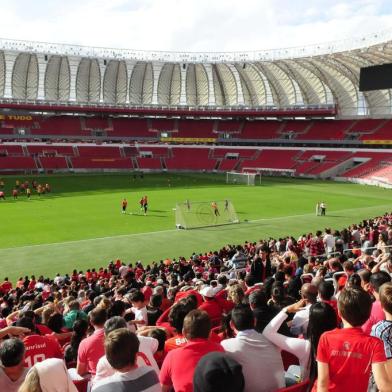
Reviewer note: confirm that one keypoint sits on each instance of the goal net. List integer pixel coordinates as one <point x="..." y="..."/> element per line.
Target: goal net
<point x="192" y="215"/>
<point x="242" y="178"/>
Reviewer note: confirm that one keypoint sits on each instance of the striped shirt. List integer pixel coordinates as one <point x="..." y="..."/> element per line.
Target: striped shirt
<point x="141" y="379"/>
<point x="383" y="331"/>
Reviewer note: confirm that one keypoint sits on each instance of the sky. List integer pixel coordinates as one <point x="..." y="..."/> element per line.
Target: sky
<point x="193" y="25"/>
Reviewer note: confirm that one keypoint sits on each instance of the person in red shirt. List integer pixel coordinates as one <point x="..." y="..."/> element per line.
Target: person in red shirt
<point x="32" y="283"/>
<point x="15" y="193"/>
<point x="211" y="305"/>
<point x="6" y="286"/>
<point x="92" y="348"/>
<point x="124" y="205"/>
<point x="179" y="365"/>
<point x="376" y="314"/>
<point x="38" y="347"/>
<point x="316" y="245"/>
<point x="344" y="355"/>
<point x="176" y="320"/>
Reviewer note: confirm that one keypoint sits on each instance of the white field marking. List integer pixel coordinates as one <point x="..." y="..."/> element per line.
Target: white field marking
<point x="176" y="230"/>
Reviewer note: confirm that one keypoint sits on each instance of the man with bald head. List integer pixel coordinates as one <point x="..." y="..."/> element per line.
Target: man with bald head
<point x="300" y="321"/>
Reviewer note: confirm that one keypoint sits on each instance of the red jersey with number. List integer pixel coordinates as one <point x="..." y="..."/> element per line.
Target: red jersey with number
<point x="349" y="354"/>
<point x="39" y="348"/>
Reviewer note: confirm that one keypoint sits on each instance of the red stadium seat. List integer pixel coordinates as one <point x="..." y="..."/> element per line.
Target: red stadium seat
<point x="81" y="385"/>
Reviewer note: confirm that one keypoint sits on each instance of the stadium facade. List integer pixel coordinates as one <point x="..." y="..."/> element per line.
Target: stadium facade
<point x="307" y="79"/>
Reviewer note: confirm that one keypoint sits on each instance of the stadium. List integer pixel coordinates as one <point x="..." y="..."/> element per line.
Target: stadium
<point x="234" y="150"/>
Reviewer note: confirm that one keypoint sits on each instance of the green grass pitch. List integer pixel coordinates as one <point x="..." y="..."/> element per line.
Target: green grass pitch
<point x="80" y="225"/>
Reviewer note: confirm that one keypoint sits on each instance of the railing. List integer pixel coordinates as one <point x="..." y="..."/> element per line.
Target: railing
<point x="197" y="57"/>
<point x="205" y="108"/>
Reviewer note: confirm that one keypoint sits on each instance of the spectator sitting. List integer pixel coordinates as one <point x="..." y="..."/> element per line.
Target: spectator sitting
<point x="71" y="350"/>
<point x="49" y="375"/>
<point x="74" y="314"/>
<point x="91" y="348"/>
<point x="383" y="329"/>
<point x="121" y="348"/>
<point x="300" y="321"/>
<point x="154" y="309"/>
<point x="38" y="347"/>
<point x="218" y="372"/>
<point x="322" y="318"/>
<point x="176" y="319"/>
<point x="377" y="313"/>
<point x="337" y="364"/>
<point x="138" y="308"/>
<point x="263" y="313"/>
<point x="12" y="370"/>
<point x="147" y="348"/>
<point x="210" y="304"/>
<point x="179" y="365"/>
<point x="259" y="358"/>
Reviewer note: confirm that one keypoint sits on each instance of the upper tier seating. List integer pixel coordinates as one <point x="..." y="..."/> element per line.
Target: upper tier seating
<point x="382" y="133"/>
<point x="96" y="123"/>
<point x="195" y="129"/>
<point x="129" y="127"/>
<point x="365" y="126"/>
<point x="229" y="127"/>
<point x="261" y="130"/>
<point x="60" y="125"/>
<point x="326" y="130"/>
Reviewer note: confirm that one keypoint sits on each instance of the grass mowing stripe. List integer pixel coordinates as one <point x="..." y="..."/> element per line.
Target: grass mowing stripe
<point x="175" y="230"/>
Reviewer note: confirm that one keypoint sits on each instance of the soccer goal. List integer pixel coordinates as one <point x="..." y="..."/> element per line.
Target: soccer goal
<point x="243" y="178"/>
<point x="192" y="215"/>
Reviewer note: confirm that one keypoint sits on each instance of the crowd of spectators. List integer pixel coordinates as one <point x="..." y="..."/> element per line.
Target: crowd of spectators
<point x="314" y="311"/>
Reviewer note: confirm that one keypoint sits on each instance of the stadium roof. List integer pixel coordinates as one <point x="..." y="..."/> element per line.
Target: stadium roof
<point x="315" y="76"/>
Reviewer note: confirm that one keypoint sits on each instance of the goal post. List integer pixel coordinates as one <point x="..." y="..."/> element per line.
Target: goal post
<point x="197" y="214"/>
<point x="243" y="178"/>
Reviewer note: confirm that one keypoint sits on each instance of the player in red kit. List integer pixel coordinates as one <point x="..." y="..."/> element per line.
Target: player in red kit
<point x="124" y="205"/>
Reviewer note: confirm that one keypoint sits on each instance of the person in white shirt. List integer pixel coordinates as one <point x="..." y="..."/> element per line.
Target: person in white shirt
<point x="322" y="317"/>
<point x="260" y="360"/>
<point x="121" y="348"/>
<point x="145" y="357"/>
<point x="329" y="242"/>
<point x="299" y="325"/>
<point x="139" y="309"/>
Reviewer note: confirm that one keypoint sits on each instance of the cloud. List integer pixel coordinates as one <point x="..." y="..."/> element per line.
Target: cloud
<point x="193" y="25"/>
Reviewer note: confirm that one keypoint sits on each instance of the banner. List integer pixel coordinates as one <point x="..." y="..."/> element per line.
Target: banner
<point x="189" y="139"/>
